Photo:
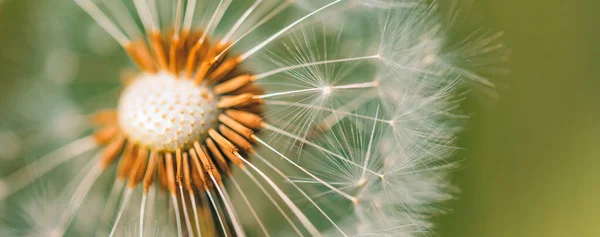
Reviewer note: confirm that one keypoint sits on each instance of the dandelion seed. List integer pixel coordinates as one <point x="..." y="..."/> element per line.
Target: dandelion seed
<point x="263" y="118"/>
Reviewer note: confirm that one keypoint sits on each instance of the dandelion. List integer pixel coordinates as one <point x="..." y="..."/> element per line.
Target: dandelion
<point x="262" y="118"/>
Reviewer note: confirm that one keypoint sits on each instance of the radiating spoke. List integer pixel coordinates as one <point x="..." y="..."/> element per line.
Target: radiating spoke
<point x="36" y="169"/>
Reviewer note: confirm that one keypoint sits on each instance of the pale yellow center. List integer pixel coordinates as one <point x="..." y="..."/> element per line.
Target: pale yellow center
<point x="164" y="113"/>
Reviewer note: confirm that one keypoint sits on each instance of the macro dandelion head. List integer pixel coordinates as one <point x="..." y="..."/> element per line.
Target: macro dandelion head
<point x="259" y="118"/>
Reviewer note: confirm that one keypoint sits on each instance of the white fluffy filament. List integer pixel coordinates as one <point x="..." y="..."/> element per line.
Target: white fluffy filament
<point x="303" y="219"/>
<point x="119" y="10"/>
<point x="274" y="168"/>
<point x="266" y="18"/>
<point x="325" y="89"/>
<point x="216" y="207"/>
<point x="326" y="184"/>
<point x="143" y="213"/>
<point x="215" y="19"/>
<point x="282" y="31"/>
<point x="145" y="14"/>
<point x="239" y="22"/>
<point x="272" y="200"/>
<point x="195" y="210"/>
<point x="370" y="146"/>
<point x="77" y="198"/>
<point x="111" y="203"/>
<point x="95" y="12"/>
<point x="124" y="201"/>
<point x="188" y="223"/>
<point x="252" y="211"/>
<point x="177" y="215"/>
<point x="189" y="14"/>
<point x="229" y="208"/>
<point x="288" y="68"/>
<point x="34" y="170"/>
<point x="280" y="131"/>
<point x="178" y="17"/>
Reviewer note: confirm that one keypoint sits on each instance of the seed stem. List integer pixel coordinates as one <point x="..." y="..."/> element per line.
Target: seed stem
<point x="124" y="201"/>
<point x="288" y="68"/>
<point x="277" y="130"/>
<point x="303" y="219"/>
<point x="143" y="213"/>
<point x="369" y="147"/>
<point x="188" y="223"/>
<point x="110" y="204"/>
<point x="240" y="21"/>
<point x="272" y="200"/>
<point x="228" y="207"/>
<point x="276" y="35"/>
<point x="177" y="215"/>
<point x="273" y="167"/>
<point x="77" y="198"/>
<point x="196" y="218"/>
<point x="34" y="170"/>
<point x="97" y="14"/>
<point x="266" y="18"/>
<point x="340" y="192"/>
<point x="215" y="206"/>
<point x="326" y="90"/>
<point x="252" y="211"/>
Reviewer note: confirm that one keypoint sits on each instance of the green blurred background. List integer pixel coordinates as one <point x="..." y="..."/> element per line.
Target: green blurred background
<point x="531" y="156"/>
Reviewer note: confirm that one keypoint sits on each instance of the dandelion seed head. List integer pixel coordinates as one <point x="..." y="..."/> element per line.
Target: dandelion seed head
<point x="335" y="117"/>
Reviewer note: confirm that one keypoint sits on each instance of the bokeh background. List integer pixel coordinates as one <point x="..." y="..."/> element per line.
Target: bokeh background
<point x="531" y="158"/>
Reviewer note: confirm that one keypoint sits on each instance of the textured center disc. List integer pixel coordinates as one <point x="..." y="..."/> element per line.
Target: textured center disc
<point x="164" y="113"/>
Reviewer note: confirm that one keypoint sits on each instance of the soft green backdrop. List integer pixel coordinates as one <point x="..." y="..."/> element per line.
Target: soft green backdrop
<point x="532" y="157"/>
